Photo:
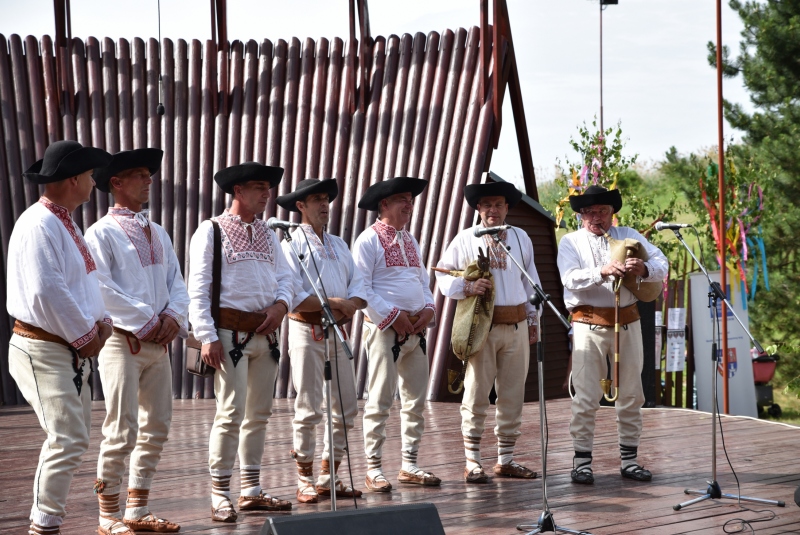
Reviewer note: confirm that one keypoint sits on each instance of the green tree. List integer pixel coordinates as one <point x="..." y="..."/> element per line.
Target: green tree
<point x="769" y="66"/>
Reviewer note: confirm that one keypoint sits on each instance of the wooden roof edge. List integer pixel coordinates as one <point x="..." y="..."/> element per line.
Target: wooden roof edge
<point x="530" y="201"/>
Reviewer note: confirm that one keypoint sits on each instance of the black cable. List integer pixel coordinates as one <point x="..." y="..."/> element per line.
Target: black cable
<point x="331" y="456"/>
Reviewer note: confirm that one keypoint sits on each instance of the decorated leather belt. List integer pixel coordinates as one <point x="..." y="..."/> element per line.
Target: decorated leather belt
<point x="33" y="332"/>
<point x="509" y="315"/>
<point x="315" y="318"/>
<point x="604" y="316"/>
<point x="238" y="320"/>
<point x="412" y="319"/>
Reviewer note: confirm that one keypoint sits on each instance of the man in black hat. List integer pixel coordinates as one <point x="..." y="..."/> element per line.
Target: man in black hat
<point x="61" y="321"/>
<point x="399" y="309"/>
<point x="241" y="339"/>
<point x="329" y="261"/>
<point x="142" y="285"/>
<point x="588" y="274"/>
<point x="503" y="360"/>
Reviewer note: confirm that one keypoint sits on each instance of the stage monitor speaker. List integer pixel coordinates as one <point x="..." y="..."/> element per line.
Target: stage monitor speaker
<point x="419" y="519"/>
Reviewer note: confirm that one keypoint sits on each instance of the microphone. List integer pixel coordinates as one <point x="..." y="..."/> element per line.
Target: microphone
<point x="670" y="226"/>
<point x="480" y="231"/>
<point x="274" y="223"/>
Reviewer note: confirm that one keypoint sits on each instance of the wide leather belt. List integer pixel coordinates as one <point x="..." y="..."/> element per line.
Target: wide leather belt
<point x="604" y="316"/>
<point x="238" y="320"/>
<point x="412" y="319"/>
<point x="315" y="318"/>
<point x="33" y="332"/>
<point x="509" y="315"/>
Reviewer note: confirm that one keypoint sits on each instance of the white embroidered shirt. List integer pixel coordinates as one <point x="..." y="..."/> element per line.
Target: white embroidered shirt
<point x="139" y="279"/>
<point x="394" y="277"/>
<point x="332" y="265"/>
<point x="52" y="277"/>
<point x="254" y="271"/>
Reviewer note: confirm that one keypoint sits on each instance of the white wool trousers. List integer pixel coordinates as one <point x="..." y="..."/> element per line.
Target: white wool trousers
<point x="137" y="385"/>
<point x="503" y="363"/>
<point x="591" y="344"/>
<point x="307" y="352"/>
<point x="244" y="403"/>
<point x="44" y="374"/>
<point x="410" y="374"/>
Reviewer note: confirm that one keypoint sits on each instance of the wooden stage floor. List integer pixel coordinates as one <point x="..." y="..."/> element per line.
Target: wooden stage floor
<point x="676" y="447"/>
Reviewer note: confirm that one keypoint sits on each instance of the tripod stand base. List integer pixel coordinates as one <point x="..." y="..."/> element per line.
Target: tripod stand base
<point x="713" y="492"/>
<point x="546" y="524"/>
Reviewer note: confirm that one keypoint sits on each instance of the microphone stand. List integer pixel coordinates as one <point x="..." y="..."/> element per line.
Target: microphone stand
<point x="546" y="523"/>
<point x="713" y="491"/>
<point x="328" y="321"/>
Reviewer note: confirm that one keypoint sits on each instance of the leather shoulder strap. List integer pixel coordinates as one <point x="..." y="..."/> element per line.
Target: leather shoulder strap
<point x="216" y="272"/>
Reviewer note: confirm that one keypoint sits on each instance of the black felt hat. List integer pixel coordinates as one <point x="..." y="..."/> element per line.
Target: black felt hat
<point x="245" y="172"/>
<point x="475" y="192"/>
<point x="128" y="159"/>
<point x="401" y="184"/>
<point x="65" y="159"/>
<point x="308" y="187"/>
<point x="596" y="195"/>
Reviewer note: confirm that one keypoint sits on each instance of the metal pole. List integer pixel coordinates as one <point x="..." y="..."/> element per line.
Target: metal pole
<point x="722" y="246"/>
<point x="601" y="65"/>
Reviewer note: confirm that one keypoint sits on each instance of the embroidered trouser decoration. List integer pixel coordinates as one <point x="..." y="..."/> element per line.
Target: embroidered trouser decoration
<point x="238" y="348"/>
<point x="274" y="348"/>
<point x="396" y="347"/>
<point x="77" y="366"/>
<point x="422" y="343"/>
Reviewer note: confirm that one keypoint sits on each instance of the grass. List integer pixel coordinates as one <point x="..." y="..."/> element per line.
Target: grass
<point x="790" y="406"/>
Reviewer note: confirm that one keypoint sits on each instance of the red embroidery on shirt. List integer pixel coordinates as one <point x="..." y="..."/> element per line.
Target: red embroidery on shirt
<point x="497" y="253"/>
<point x="150" y="252"/>
<point x="236" y="242"/>
<point x="391" y="249"/>
<point x="61" y="213"/>
<point x="86" y="338"/>
<point x="389" y="319"/>
<point x="326" y="251"/>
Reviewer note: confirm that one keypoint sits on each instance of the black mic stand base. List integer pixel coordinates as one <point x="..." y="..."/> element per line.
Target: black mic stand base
<point x="713" y="492"/>
<point x="546" y="524"/>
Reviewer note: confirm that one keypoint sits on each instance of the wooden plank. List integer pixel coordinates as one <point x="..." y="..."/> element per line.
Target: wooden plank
<point x="674" y="446"/>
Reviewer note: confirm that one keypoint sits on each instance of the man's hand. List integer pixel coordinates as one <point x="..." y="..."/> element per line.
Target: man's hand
<point x="533" y="334"/>
<point x="425" y="318"/>
<point x="345" y="306"/>
<point x="636" y="266"/>
<point x="213" y="354"/>
<point x="105" y="331"/>
<point x="275" y="314"/>
<point x="478" y="287"/>
<point x="402" y="326"/>
<point x="151" y="335"/>
<point x="168" y="331"/>
<point x="92" y="349"/>
<point x="613" y="269"/>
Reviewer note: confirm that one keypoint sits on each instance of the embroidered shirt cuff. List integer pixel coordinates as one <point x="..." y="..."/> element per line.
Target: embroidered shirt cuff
<point x="144" y="331"/>
<point x="85" y="339"/>
<point x="648" y="271"/>
<point x="108" y="321"/>
<point x="533" y="320"/>
<point x="597" y="277"/>
<point x="210" y="339"/>
<point x="389" y="319"/>
<point x="284" y="303"/>
<point x="180" y="320"/>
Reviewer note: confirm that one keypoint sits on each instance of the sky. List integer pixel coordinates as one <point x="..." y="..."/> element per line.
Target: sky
<point x="656" y="79"/>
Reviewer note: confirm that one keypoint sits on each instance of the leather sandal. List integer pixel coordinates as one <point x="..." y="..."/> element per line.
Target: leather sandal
<point x="263" y="502"/>
<point x="307" y="494"/>
<point x="636" y="472"/>
<point x="379" y="484"/>
<point x="342" y="490"/>
<point x="224" y="513"/>
<point x="582" y="475"/>
<point x="514" y="469"/>
<point x="36" y="529"/>
<point x="117" y="528"/>
<point x="426" y="479"/>
<point x="476" y="475"/>
<point x="151" y="522"/>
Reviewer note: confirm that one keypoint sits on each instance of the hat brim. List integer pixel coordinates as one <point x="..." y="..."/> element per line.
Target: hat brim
<point x="289" y="201"/>
<point x="248" y="172"/>
<point x="610" y="197"/>
<point x="74" y="164"/>
<point x="129" y="159"/>
<point x="475" y="192"/>
<point x="377" y="192"/>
